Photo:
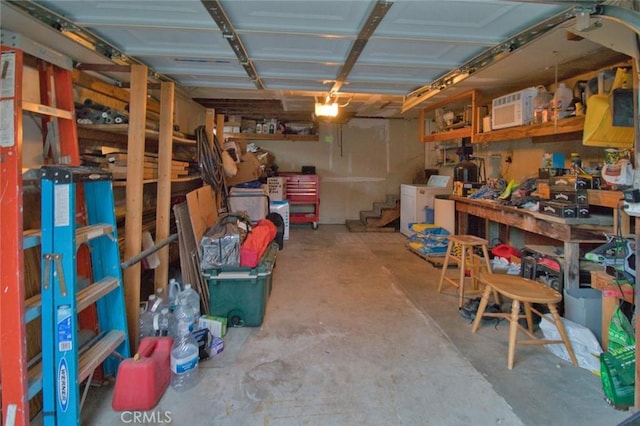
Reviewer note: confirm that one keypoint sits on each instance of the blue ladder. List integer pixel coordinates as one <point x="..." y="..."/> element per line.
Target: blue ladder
<point x="65" y="362"/>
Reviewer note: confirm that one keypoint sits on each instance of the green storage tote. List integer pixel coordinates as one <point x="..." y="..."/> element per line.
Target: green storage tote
<point x="240" y="294"/>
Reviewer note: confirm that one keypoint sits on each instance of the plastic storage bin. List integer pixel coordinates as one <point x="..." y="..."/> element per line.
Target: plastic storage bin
<point x="240" y="294"/>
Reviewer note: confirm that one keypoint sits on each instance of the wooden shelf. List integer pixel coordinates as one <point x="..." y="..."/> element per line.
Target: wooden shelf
<point x="458" y="102"/>
<point x="272" y="137"/>
<point x="465" y="132"/>
<point x="86" y="130"/>
<point x="565" y="126"/>
<point x="123" y="183"/>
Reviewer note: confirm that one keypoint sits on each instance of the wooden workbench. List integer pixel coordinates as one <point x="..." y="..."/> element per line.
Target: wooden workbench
<point x="571" y="232"/>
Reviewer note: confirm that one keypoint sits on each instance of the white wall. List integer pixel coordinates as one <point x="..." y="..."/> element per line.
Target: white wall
<point x="358" y="163"/>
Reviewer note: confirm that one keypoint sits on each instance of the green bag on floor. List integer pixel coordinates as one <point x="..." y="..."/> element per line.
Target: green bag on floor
<point x="618" y="364"/>
<point x="617" y="372"/>
<point x="621" y="332"/>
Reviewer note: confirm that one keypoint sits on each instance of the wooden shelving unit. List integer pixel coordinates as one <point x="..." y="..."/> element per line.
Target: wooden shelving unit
<point x="457" y="102"/>
<point x="272" y="137"/>
<point x="89" y="130"/>
<point x="565" y="127"/>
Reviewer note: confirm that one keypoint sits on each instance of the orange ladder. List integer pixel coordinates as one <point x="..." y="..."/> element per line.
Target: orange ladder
<point x="56" y="111"/>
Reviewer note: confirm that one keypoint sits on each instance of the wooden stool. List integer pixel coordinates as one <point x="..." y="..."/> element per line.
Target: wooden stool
<point x="525" y="291"/>
<point x="465" y="259"/>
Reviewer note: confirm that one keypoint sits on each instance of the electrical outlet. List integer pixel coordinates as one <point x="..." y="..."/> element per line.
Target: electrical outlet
<point x="508" y="157"/>
<point x="632" y="209"/>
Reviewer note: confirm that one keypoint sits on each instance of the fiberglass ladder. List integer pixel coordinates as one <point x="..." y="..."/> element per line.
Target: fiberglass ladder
<point x="65" y="362"/>
<point x="22" y="377"/>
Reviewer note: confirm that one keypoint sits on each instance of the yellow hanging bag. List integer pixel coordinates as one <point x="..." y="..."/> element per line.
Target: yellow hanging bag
<point x="598" y="123"/>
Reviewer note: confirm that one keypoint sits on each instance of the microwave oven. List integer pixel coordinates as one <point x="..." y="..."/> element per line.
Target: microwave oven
<point x="514" y="109"/>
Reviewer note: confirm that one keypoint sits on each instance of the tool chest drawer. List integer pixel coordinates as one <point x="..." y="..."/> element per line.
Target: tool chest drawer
<point x="303" y="193"/>
<point x="302" y="188"/>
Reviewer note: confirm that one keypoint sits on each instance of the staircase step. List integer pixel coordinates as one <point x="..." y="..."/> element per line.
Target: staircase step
<point x="378" y="206"/>
<point x="393" y="198"/>
<point x="383" y="212"/>
<point x="387" y="216"/>
<point x="366" y="214"/>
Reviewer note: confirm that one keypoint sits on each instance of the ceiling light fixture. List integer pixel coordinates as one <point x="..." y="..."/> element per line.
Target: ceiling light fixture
<point x="326" y="109"/>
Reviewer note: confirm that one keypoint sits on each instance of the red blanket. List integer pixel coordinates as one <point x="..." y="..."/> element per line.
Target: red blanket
<point x="257" y="242"/>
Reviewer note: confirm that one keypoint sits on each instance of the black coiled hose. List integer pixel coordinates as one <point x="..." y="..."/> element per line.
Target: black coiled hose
<point x="210" y="162"/>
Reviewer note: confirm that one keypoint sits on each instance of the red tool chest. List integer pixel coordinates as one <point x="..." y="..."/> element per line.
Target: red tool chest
<point x="303" y="193"/>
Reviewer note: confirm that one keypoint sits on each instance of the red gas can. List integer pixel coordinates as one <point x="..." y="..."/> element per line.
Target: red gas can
<point x="142" y="380"/>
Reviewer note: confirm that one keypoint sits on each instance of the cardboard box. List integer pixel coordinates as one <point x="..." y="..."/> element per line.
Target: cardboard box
<point x="575" y="197"/>
<point x="277" y="188"/>
<point x="570" y="183"/>
<point x="248" y="169"/>
<point x="216" y="325"/>
<point x="555" y="208"/>
<point x="544" y="191"/>
<point x="282" y="208"/>
<point x="584" y="306"/>
<point x="217" y="346"/>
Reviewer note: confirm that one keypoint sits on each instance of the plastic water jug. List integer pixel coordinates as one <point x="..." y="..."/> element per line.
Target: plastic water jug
<point x="145" y="320"/>
<point x="162" y="322"/>
<point x="184" y="360"/>
<point x="183" y="318"/>
<point x="174" y="289"/>
<point x="561" y="100"/>
<point x="192" y="299"/>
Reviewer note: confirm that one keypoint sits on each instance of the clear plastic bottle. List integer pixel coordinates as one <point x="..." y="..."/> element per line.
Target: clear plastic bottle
<point x="561" y="101"/>
<point x="162" y="322"/>
<point x="145" y="321"/>
<point x="174" y="290"/>
<point x="162" y="299"/>
<point x="184" y="360"/>
<point x="183" y="318"/>
<point x="192" y="299"/>
<point x="153" y="303"/>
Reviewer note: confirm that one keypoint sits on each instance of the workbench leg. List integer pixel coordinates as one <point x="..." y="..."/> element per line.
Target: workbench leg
<point x="516" y="237"/>
<point x="463" y="223"/>
<point x="571" y="265"/>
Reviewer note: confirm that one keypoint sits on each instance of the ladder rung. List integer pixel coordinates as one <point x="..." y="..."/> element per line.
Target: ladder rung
<point x="31" y="238"/>
<point x="47" y="110"/>
<point x="93" y="357"/>
<point x="34" y="377"/>
<point x="90" y="232"/>
<point x="34" y="380"/>
<point x="95" y="291"/>
<point x="32" y="308"/>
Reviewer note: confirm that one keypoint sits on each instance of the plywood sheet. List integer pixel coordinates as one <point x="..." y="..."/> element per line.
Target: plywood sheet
<point x="203" y="210"/>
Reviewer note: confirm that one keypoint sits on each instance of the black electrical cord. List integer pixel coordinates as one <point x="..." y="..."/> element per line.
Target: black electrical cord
<point x="622" y="247"/>
<point x="210" y="162"/>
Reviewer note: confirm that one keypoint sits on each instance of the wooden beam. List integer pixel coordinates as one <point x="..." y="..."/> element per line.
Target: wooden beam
<point x="220" y="129"/>
<point x="163" y="199"/>
<point x="83" y="79"/>
<point x="133" y="219"/>
<point x="210" y="123"/>
<point x="104" y="67"/>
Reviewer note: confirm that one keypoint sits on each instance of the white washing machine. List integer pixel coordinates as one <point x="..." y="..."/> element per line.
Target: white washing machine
<point x="414" y="199"/>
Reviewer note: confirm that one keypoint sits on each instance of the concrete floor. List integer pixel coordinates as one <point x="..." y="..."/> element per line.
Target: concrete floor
<point x="356" y="334"/>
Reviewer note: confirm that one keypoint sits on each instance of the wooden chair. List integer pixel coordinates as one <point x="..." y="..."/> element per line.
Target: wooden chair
<point x="466" y="259"/>
<point x="523" y="291"/>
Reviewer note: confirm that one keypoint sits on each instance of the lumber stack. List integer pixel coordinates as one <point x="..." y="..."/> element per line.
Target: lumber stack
<point x="116" y="162"/>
